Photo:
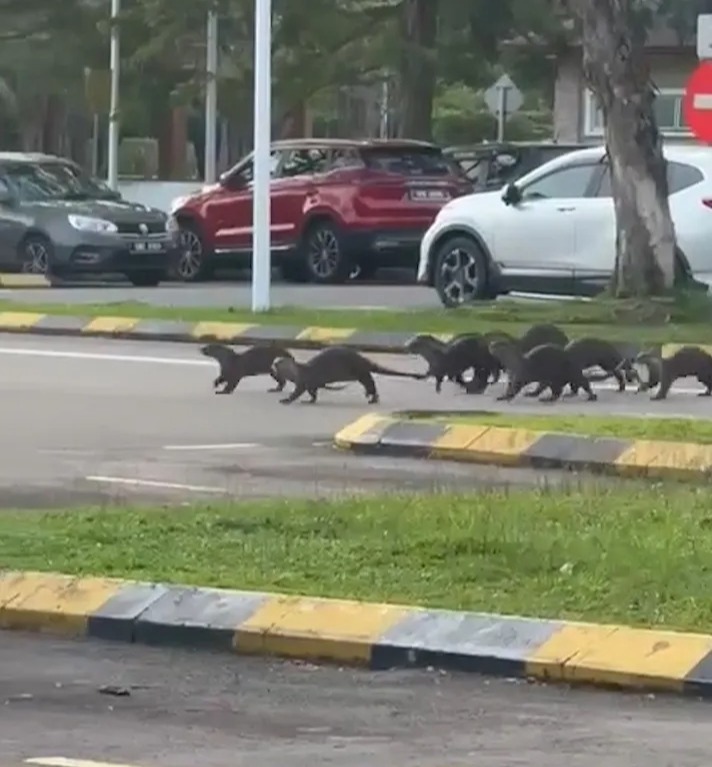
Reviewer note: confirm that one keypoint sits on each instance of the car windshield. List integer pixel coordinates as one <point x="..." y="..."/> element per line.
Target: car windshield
<point x="37" y="182"/>
<point x="410" y="162"/>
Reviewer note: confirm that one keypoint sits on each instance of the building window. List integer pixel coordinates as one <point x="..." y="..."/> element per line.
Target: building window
<point x="668" y="111"/>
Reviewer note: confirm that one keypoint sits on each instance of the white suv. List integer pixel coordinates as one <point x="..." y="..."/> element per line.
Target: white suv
<point x="554" y="231"/>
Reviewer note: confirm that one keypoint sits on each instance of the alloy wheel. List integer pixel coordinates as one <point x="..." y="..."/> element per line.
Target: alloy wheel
<point x="324" y="253"/>
<point x="191" y="257"/>
<point x="36" y="260"/>
<point x="460" y="277"/>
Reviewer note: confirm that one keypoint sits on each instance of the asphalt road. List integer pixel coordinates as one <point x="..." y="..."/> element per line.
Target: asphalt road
<point x="236" y="294"/>
<point x="187" y="709"/>
<point x="95" y="421"/>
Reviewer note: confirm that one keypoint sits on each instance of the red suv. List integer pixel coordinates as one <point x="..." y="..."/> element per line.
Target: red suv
<point x="337" y="206"/>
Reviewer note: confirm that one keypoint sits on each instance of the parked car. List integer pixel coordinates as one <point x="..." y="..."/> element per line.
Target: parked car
<point x="554" y="230"/>
<point x="337" y="205"/>
<point x="55" y="219"/>
<point x="492" y="166"/>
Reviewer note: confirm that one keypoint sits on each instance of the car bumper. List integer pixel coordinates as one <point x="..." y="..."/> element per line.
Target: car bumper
<point x="424" y="277"/>
<point x="386" y="247"/>
<point x="99" y="254"/>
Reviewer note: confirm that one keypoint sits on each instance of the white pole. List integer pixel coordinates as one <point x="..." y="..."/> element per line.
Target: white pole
<point x="211" y="97"/>
<point x="115" y="65"/>
<point x="261" y="217"/>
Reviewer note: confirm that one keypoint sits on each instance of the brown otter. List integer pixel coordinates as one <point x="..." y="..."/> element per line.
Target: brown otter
<point x="543" y="333"/>
<point x="595" y="352"/>
<point x="688" y="361"/>
<point x="452" y="360"/>
<point x="549" y="365"/>
<point x="335" y="363"/>
<point x="234" y="366"/>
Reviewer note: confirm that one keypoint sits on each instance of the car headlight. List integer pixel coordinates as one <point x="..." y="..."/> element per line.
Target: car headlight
<point x="89" y="224"/>
<point x="172" y="225"/>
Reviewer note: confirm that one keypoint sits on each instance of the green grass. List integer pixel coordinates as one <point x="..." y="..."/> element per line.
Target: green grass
<point x="630" y="427"/>
<point x="627" y="553"/>
<point x="685" y="319"/>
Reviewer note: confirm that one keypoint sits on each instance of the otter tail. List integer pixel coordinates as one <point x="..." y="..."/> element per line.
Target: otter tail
<point x="375" y="368"/>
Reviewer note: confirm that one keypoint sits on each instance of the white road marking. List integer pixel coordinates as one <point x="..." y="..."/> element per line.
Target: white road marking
<point x="132" y="482"/>
<point x="61" y="761"/>
<point x="96" y="356"/>
<point x="227" y="446"/>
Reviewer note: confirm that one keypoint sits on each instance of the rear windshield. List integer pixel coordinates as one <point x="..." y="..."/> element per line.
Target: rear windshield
<point x="410" y="162"/>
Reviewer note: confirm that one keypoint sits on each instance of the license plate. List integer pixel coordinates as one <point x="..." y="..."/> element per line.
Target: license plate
<point x="429" y="195"/>
<point x="147" y="247"/>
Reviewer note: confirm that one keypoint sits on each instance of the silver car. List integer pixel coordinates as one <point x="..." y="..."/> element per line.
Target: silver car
<point x="57" y="220"/>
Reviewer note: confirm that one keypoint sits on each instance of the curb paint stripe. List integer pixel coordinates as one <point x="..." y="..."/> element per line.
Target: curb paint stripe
<point x="13" y="280"/>
<point x="110" y="325"/>
<point x="502" y="446"/>
<point x="375" y="635"/>
<point x="325" y="335"/>
<point x="19" y="320"/>
<point x="220" y="331"/>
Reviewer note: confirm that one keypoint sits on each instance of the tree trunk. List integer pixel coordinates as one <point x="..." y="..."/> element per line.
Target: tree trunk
<point x="418" y="70"/>
<point x="617" y="72"/>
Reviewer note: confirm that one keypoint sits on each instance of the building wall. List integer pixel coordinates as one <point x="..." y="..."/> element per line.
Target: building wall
<point x="571" y="102"/>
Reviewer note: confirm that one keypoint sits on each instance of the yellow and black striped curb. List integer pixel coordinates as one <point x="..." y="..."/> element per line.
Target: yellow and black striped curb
<point x="377" y="636"/>
<point x="524" y="448"/>
<point x="238" y="333"/>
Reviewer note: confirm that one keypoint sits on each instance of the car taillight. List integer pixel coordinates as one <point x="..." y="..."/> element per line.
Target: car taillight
<point x="707" y="202"/>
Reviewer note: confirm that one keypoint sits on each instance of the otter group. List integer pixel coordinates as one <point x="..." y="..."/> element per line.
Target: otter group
<point x="543" y="356"/>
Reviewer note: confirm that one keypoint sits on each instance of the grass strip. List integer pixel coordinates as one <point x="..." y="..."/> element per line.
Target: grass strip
<point x="605" y="319"/>
<point x="628" y="553"/>
<point x="622" y="427"/>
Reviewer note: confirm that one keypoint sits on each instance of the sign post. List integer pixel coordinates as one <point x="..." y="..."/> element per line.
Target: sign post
<point x="503" y="99"/>
<point x="697" y="102"/>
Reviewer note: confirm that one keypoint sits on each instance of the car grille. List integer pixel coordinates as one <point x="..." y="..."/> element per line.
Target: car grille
<point x="154" y="227"/>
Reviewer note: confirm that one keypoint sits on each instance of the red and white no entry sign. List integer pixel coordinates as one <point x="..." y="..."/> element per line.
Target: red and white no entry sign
<point x="697" y="102"/>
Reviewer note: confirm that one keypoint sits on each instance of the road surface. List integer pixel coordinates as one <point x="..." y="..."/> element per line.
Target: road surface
<point x="99" y="420"/>
<point x="189" y="709"/>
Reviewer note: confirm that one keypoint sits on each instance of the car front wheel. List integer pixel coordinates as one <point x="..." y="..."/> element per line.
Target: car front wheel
<point x="460" y="272"/>
<point x="35" y="255"/>
<point x="190" y="265"/>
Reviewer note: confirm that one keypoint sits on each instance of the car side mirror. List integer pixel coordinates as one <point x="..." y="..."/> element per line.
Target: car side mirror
<point x="234" y="182"/>
<point x="511" y="195"/>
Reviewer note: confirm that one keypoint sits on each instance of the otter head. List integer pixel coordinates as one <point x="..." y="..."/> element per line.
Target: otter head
<point x="211" y="350"/>
<point x="285" y="367"/>
<point x="421" y="341"/>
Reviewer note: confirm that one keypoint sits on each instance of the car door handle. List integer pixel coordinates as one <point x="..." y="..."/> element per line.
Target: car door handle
<point x="566" y="210"/>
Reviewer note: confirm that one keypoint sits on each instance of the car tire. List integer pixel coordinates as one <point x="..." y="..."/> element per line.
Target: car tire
<point x="146" y="278"/>
<point x="191" y="264"/>
<point x="323" y="255"/>
<point x="460" y="272"/>
<point x="36" y="255"/>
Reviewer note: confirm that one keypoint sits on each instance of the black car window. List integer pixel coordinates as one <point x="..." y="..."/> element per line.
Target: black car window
<point x="570" y="182"/>
<point x="407" y="161"/>
<point x="303" y="162"/>
<point x="38" y="182"/>
<point x="245" y="174"/>
<point x="679" y="175"/>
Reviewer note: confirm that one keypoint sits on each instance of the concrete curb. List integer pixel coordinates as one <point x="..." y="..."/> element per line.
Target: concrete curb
<point x="377" y="636"/>
<point x="130" y="328"/>
<point x="237" y="333"/>
<point x="502" y="446"/>
<point x="21" y="280"/>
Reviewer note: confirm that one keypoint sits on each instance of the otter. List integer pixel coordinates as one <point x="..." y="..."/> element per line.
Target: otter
<point x="664" y="371"/>
<point x="336" y="363"/>
<point x="549" y="365"/>
<point x="452" y="360"/>
<point x="234" y="366"/>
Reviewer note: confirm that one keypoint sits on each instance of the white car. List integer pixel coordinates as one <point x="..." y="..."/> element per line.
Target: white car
<point x="554" y="230"/>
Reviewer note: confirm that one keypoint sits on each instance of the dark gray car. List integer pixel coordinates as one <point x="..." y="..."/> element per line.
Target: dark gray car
<point x="57" y="220"/>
